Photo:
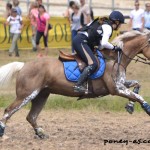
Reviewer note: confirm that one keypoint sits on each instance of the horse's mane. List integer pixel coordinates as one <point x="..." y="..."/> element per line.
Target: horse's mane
<point x="119" y="40"/>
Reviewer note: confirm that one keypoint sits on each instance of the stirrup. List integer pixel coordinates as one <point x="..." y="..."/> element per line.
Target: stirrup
<point x="80" y="89"/>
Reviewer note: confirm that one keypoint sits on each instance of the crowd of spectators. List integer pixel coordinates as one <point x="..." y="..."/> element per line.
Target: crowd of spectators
<point x="79" y="14"/>
<point x="39" y="20"/>
<point x="140" y="18"/>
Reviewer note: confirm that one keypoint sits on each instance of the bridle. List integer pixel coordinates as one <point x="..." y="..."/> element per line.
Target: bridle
<point x="121" y="54"/>
<point x="143" y="60"/>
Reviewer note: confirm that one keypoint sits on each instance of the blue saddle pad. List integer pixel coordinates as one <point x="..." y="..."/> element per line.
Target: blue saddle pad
<point x="72" y="71"/>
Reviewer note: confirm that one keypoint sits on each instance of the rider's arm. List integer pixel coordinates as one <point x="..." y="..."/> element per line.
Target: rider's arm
<point x="107" y="31"/>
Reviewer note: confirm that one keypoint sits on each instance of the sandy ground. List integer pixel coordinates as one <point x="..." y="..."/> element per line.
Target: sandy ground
<point x="77" y="130"/>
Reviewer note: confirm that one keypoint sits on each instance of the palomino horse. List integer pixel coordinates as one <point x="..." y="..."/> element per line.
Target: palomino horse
<point x="37" y="79"/>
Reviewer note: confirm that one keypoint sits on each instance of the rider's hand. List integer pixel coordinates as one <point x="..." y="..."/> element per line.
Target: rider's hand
<point x="96" y="47"/>
<point x="116" y="48"/>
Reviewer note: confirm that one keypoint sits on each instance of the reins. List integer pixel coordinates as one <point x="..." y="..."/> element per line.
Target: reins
<point x="139" y="57"/>
<point x="137" y="60"/>
<point x="119" y="58"/>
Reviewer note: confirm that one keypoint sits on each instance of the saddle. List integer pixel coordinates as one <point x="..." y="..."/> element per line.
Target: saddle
<point x="72" y="71"/>
<point x="68" y="57"/>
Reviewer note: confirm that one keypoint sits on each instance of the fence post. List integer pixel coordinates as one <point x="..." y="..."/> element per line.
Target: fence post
<point x="113" y="5"/>
<point x="47" y="5"/>
<point x="90" y="3"/>
<point x="28" y="1"/>
<point x="68" y="3"/>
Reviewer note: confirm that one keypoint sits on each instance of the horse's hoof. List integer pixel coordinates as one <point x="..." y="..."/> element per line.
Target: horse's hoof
<point x="129" y="108"/>
<point x="43" y="136"/>
<point x="146" y="107"/>
<point x="2" y="129"/>
<point x="40" y="134"/>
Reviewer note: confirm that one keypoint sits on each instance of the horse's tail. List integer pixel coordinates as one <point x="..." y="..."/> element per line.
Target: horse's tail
<point x="8" y="72"/>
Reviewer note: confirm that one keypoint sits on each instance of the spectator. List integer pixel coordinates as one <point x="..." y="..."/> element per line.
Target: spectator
<point x="42" y="28"/>
<point x="147" y="16"/>
<point x="15" y="22"/>
<point x="75" y="21"/>
<point x="39" y="2"/>
<point x="16" y="6"/>
<point x="85" y="13"/>
<point x="137" y="18"/>
<point x="33" y="14"/>
<point x="69" y="11"/>
<point x="8" y="10"/>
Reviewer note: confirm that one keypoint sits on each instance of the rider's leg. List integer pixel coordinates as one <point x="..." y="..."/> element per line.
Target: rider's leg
<point x="84" y="51"/>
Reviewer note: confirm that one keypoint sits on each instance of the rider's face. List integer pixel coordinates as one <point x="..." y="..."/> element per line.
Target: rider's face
<point x="116" y="25"/>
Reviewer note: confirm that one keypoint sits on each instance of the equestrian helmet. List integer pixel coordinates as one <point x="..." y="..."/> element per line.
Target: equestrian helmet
<point x="116" y="16"/>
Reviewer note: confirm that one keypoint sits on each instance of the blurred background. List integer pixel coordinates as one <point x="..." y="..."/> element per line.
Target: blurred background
<point x="100" y="7"/>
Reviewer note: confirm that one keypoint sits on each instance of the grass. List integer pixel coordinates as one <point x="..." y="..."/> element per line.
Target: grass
<point x="108" y="103"/>
<point x="136" y="71"/>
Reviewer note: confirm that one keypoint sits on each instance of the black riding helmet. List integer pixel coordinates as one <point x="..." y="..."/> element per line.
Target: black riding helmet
<point x="116" y="16"/>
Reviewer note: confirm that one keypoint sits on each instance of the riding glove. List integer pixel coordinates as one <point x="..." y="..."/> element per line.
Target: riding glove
<point x="116" y="48"/>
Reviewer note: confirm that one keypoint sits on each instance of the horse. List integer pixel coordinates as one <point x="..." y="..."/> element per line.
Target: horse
<point x="37" y="79"/>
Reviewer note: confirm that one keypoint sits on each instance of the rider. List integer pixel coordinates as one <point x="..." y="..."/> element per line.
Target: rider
<point x="94" y="34"/>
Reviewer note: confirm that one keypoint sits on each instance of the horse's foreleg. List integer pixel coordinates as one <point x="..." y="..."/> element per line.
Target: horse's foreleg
<point x="125" y="92"/>
<point x="37" y="105"/>
<point x="15" y="106"/>
<point x="132" y="83"/>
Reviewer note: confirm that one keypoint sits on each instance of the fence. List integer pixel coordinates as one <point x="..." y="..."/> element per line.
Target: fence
<point x="59" y="36"/>
<point x="100" y="7"/>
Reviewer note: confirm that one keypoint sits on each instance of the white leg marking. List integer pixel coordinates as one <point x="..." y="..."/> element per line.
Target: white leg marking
<point x="123" y="90"/>
<point x="2" y="124"/>
<point x="24" y="102"/>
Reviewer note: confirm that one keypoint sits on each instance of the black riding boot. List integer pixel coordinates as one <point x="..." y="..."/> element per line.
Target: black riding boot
<point x="79" y="87"/>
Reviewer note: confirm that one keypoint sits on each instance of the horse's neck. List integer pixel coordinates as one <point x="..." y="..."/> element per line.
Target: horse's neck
<point x="127" y="57"/>
<point x="130" y="50"/>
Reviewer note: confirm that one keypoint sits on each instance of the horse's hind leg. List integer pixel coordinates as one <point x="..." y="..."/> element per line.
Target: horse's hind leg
<point x="37" y="105"/>
<point x="15" y="106"/>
